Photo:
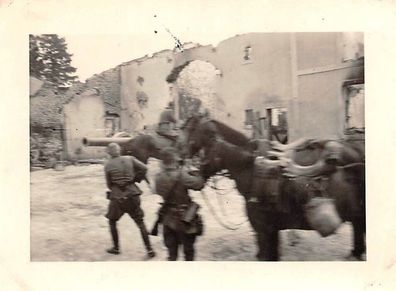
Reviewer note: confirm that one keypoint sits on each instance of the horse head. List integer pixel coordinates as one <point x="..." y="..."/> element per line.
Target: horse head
<point x="212" y="160"/>
<point x="196" y="133"/>
<point x="200" y="131"/>
<point x="221" y="155"/>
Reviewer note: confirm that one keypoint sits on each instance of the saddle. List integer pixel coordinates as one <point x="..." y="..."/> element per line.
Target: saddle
<point x="266" y="182"/>
<point x="268" y="187"/>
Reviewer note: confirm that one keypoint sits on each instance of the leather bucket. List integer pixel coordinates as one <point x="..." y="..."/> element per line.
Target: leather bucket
<point x="322" y="215"/>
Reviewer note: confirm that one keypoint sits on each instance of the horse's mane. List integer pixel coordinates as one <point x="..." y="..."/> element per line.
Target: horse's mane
<point x="231" y="135"/>
<point x="234" y="155"/>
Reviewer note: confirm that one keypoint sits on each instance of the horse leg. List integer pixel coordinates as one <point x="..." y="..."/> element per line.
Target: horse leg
<point x="358" y="219"/>
<point x="272" y="232"/>
<point x="268" y="243"/>
<point x="359" y="231"/>
<point x="264" y="222"/>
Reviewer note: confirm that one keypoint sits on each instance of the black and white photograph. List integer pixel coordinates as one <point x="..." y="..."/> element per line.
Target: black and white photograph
<point x="249" y="150"/>
<point x="197" y="145"/>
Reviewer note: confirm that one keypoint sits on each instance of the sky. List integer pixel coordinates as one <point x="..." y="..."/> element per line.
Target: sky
<point x="93" y="54"/>
<point x="144" y="32"/>
<point x="101" y="35"/>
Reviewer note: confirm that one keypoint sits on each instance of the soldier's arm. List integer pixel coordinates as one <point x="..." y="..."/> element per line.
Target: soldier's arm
<point x="108" y="178"/>
<point x="138" y="165"/>
<point x="192" y="182"/>
<point x="156" y="188"/>
<point x="161" y="187"/>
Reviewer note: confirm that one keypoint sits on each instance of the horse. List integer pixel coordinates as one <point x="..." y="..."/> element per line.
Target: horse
<point x="277" y="202"/>
<point x="145" y="146"/>
<point x="142" y="147"/>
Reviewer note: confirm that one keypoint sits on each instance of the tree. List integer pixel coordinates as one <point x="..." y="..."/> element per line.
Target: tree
<point x="49" y="59"/>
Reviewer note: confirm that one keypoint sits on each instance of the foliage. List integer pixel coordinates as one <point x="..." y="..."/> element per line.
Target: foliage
<point x="49" y="59"/>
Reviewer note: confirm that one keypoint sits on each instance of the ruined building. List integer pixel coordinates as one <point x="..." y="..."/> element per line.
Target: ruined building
<point x="268" y="85"/>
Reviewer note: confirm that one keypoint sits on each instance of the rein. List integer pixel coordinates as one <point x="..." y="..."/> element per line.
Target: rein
<point x="212" y="184"/>
<point x="217" y="218"/>
<point x="227" y="225"/>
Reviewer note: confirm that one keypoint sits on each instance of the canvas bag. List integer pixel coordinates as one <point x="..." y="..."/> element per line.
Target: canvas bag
<point x="322" y="215"/>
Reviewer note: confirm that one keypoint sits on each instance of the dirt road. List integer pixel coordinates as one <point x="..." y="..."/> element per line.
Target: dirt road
<point x="68" y="224"/>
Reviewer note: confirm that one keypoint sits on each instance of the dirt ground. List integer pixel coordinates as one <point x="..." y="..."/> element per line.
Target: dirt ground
<point x="68" y="224"/>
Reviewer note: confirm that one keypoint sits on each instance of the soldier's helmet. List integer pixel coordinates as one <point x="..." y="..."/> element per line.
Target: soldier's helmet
<point x="114" y="149"/>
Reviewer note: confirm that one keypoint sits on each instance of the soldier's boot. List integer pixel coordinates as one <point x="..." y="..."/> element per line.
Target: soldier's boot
<point x="189" y="257"/>
<point x="188" y="248"/>
<point x="146" y="240"/>
<point x="172" y="253"/>
<point x="115" y="250"/>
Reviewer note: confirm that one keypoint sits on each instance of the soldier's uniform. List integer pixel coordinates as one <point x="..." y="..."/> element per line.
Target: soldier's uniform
<point x="166" y="122"/>
<point x="121" y="174"/>
<point x="173" y="184"/>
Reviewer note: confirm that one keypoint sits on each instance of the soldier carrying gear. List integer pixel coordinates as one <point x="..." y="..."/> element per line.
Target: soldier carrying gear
<point x="121" y="174"/>
<point x="181" y="222"/>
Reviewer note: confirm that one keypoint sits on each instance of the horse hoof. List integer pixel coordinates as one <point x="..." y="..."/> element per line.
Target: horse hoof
<point x="351" y="257"/>
<point x="260" y="257"/>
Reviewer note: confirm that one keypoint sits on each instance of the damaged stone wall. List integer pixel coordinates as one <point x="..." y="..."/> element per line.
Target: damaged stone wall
<point x="46" y="125"/>
<point x="144" y="91"/>
<point x="109" y="85"/>
<point x="46" y="147"/>
<point x="266" y="71"/>
<point x="84" y="117"/>
<point x="57" y="132"/>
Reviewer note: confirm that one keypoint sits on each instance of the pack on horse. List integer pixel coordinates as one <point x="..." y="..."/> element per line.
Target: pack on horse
<point x="274" y="202"/>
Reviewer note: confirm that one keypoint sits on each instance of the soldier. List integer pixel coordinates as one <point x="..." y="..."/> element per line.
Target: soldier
<point x="181" y="222"/>
<point x="121" y="174"/>
<point x="167" y="121"/>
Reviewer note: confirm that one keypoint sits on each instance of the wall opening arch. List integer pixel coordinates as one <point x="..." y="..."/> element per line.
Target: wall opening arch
<point x="194" y="88"/>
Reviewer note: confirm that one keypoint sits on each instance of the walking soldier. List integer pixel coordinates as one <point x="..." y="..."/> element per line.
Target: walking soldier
<point x="121" y="174"/>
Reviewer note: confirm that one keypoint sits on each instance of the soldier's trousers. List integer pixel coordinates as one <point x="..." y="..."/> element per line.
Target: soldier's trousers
<point x="131" y="206"/>
<point x="173" y="239"/>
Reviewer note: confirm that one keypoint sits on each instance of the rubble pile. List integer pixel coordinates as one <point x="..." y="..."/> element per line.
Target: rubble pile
<point x="45" y="150"/>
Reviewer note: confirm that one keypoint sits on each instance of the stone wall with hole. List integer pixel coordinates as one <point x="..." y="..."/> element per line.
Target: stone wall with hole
<point x="244" y="77"/>
<point x="301" y="72"/>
